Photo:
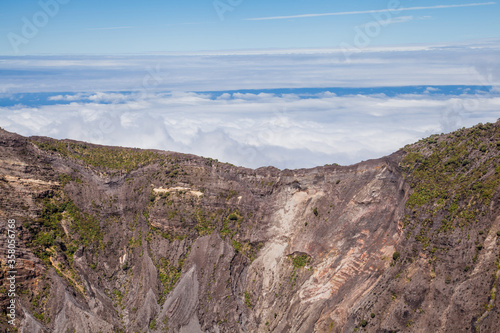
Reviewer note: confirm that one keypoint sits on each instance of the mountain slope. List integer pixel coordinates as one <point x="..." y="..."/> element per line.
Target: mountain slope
<point x="115" y="239"/>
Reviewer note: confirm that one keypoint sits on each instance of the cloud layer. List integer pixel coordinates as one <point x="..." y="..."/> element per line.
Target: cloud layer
<point x="164" y="101"/>
<point x="255" y="129"/>
<point x="445" y="64"/>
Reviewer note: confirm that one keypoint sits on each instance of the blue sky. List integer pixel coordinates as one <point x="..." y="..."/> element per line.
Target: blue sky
<point x="122" y="26"/>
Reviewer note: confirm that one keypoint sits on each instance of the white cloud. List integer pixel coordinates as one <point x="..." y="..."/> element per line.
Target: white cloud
<point x="397" y="19"/>
<point x="141" y="101"/>
<point x="111" y="28"/>
<point x="75" y="97"/>
<point x="444" y="64"/>
<point x="257" y="129"/>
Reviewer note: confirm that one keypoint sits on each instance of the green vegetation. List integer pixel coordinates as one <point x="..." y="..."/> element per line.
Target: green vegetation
<point x="115" y="158"/>
<point x="300" y="260"/>
<point x="205" y="225"/>
<point x="231" y="222"/>
<point x="152" y="324"/>
<point x="395" y="256"/>
<point x="135" y="242"/>
<point x="119" y="298"/>
<point x="85" y="225"/>
<point x="39" y="302"/>
<point x="248" y="301"/>
<point x="315" y="211"/>
<point x="237" y="246"/>
<point x="165" y="324"/>
<point x="65" y="179"/>
<point x="231" y="194"/>
<point x="49" y="235"/>
<point x="451" y="178"/>
<point x="451" y="173"/>
<point x="59" y="231"/>
<point x="169" y="275"/>
<point x="226" y="230"/>
<point x="364" y="323"/>
<point x="211" y="161"/>
<point x="230" y="226"/>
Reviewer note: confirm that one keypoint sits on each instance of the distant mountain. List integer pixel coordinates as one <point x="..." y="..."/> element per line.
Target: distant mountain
<point x="113" y="239"/>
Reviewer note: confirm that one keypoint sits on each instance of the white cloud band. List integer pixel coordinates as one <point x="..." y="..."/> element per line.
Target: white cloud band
<point x="256" y="129"/>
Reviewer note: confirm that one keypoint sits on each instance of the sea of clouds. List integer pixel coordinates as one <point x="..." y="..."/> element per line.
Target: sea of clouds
<point x="168" y="101"/>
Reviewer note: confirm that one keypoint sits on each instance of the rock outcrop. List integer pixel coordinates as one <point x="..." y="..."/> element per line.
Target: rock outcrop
<point x="125" y="240"/>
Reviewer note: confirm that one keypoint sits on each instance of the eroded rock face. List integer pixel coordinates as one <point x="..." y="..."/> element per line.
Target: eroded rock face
<point x="181" y="243"/>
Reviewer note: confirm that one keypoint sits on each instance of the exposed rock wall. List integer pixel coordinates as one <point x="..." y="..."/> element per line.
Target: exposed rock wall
<point x="114" y="239"/>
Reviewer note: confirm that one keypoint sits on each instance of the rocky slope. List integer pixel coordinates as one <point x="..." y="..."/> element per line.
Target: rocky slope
<point x="126" y="240"/>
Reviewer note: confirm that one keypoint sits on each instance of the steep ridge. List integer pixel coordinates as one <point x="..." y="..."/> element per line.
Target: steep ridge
<point x="126" y="240"/>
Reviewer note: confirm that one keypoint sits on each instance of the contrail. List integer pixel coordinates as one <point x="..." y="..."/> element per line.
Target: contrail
<point x="370" y="11"/>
